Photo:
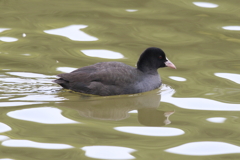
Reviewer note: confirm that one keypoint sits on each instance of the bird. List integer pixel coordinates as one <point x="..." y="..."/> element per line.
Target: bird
<point x="116" y="78"/>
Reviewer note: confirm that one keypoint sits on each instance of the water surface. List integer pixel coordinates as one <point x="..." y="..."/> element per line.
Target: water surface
<point x="194" y="115"/>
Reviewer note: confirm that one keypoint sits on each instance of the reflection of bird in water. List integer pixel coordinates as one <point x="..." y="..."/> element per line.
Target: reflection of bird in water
<point x="167" y="115"/>
<point x="153" y="117"/>
<point x="116" y="78"/>
<point x="118" y="108"/>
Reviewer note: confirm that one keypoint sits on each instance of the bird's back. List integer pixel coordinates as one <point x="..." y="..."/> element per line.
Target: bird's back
<point x="105" y="78"/>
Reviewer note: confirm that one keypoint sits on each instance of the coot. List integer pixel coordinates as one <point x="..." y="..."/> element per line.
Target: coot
<point x="116" y="78"/>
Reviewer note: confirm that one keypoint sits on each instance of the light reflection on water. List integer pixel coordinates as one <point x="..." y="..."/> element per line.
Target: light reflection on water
<point x="4" y="29"/>
<point x="3" y="138"/>
<point x="198" y="103"/>
<point x="101" y="53"/>
<point x="197" y="117"/>
<point x="49" y="115"/>
<point x="108" y="152"/>
<point x="4" y="128"/>
<point x="28" y="75"/>
<point x="46" y="115"/>
<point x="204" y="148"/>
<point x="217" y="119"/>
<point x="151" y="131"/>
<point x="131" y="10"/>
<point x="39" y="98"/>
<point x="8" y="39"/>
<point x="28" y="143"/>
<point x="233" y="28"/>
<point x="230" y="76"/>
<point x="72" y="32"/>
<point x="205" y="4"/>
<point x="14" y="104"/>
<point x="178" y="78"/>
<point x="66" y="69"/>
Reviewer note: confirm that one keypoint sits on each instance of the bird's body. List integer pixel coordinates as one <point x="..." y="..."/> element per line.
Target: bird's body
<point x="115" y="78"/>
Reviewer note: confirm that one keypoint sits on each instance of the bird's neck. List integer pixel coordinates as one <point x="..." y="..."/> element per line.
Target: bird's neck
<point x="147" y="69"/>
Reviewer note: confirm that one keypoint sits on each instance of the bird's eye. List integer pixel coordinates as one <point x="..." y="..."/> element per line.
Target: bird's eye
<point x="160" y="57"/>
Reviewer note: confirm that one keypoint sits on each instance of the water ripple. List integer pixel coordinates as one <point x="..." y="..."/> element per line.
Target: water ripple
<point x="232" y="28"/>
<point x="198" y="103"/>
<point x="29" y="75"/>
<point x="3" y="138"/>
<point x="26" y="82"/>
<point x="32" y="144"/>
<point x="108" y="152"/>
<point x="41" y="98"/>
<point x="8" y="39"/>
<point x="102" y="53"/>
<point x="204" y="148"/>
<point x="230" y="76"/>
<point x="151" y="131"/>
<point x="4" y="29"/>
<point x="72" y="32"/>
<point x="205" y="4"/>
<point x="4" y="127"/>
<point x="217" y="119"/>
<point x="14" y="104"/>
<point x="46" y="115"/>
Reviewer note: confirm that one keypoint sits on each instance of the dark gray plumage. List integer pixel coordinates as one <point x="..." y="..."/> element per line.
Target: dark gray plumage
<point x="116" y="78"/>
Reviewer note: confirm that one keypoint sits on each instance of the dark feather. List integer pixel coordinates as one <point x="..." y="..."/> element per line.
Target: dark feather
<point x="114" y="78"/>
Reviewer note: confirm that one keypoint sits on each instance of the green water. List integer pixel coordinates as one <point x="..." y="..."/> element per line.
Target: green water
<point x="194" y="115"/>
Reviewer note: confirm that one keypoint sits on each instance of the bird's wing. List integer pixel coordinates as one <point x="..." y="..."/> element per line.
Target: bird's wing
<point x="105" y="73"/>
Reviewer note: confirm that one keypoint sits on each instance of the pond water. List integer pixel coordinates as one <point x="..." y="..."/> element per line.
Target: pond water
<point x="194" y="115"/>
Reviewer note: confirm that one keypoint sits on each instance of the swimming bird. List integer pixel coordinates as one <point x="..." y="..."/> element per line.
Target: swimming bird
<point x="117" y="78"/>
